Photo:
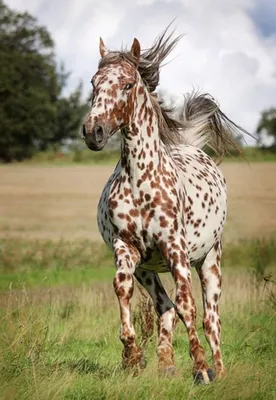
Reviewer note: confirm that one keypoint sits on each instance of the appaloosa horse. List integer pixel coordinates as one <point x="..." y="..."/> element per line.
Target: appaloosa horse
<point x="164" y="207"/>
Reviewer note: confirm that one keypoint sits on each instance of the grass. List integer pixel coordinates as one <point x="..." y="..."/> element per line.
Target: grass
<point x="60" y="341"/>
<point x="82" y="156"/>
<point x="86" y="156"/>
<point x="49" y="263"/>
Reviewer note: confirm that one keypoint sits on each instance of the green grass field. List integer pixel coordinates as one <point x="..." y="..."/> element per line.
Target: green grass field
<point x="85" y="156"/>
<point x="60" y="326"/>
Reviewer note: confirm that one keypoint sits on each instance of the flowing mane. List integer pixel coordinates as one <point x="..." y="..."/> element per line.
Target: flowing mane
<point x="199" y="121"/>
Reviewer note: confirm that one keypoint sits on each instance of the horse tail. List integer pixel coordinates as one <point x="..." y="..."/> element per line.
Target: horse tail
<point x="204" y="124"/>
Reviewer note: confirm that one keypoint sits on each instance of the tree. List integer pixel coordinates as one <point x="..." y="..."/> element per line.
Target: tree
<point x="267" y="124"/>
<point x="33" y="112"/>
<point x="68" y="117"/>
<point x="29" y="84"/>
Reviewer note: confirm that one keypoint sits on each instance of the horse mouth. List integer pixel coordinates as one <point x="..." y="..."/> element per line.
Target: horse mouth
<point x="95" y="146"/>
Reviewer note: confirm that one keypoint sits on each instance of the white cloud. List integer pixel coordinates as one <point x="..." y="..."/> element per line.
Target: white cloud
<point x="223" y="51"/>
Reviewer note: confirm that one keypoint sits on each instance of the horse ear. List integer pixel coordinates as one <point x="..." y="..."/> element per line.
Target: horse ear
<point x="103" y="49"/>
<point x="136" y="49"/>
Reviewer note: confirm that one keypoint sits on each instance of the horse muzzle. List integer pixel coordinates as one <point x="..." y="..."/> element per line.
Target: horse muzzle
<point x="97" y="138"/>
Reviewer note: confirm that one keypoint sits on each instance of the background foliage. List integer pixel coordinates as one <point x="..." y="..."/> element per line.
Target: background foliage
<point x="33" y="111"/>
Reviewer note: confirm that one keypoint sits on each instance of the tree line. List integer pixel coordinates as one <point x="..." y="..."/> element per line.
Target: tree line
<point x="34" y="113"/>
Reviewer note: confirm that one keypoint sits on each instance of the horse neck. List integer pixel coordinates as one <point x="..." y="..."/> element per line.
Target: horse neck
<point x="141" y="144"/>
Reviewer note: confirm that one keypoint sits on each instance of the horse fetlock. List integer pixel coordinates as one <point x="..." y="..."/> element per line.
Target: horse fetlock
<point x="133" y="356"/>
<point x="165" y="357"/>
<point x="220" y="372"/>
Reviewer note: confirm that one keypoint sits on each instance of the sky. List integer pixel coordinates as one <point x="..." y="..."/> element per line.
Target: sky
<point x="228" y="48"/>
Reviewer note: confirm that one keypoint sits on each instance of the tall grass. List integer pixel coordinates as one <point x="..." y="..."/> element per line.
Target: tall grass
<point x="66" y="346"/>
<point x="59" y="339"/>
<point x="37" y="262"/>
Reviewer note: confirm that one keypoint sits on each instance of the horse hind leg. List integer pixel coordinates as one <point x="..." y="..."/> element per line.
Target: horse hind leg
<point x="210" y="276"/>
<point x="177" y="257"/>
<point x="165" y="310"/>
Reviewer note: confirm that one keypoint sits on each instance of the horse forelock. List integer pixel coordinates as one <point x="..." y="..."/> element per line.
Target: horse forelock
<point x="150" y="61"/>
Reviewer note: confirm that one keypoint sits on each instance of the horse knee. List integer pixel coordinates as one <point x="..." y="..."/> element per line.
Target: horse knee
<point x="123" y="284"/>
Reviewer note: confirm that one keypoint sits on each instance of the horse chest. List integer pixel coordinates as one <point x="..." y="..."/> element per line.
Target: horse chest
<point x="142" y="213"/>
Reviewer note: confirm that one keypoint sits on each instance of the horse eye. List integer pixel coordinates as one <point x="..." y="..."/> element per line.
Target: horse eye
<point x="129" y="86"/>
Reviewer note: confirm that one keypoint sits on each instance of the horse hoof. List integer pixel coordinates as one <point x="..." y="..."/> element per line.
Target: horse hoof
<point x="211" y="374"/>
<point x="204" y="377"/>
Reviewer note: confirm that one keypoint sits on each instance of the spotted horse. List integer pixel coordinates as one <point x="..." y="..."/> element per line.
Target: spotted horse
<point x="164" y="207"/>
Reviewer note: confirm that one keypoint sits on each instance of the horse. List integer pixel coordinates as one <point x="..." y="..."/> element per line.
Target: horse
<point x="164" y="207"/>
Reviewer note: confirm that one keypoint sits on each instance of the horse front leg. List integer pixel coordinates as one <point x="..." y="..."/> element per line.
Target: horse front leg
<point x="126" y="259"/>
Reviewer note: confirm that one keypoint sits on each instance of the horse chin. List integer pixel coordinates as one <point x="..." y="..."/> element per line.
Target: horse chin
<point x="94" y="146"/>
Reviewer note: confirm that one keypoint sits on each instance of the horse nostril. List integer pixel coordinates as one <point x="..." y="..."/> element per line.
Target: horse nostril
<point x="83" y="131"/>
<point x="99" y="134"/>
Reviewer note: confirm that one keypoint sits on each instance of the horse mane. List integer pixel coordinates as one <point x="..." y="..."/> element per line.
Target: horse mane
<point x="200" y="121"/>
<point x="150" y="60"/>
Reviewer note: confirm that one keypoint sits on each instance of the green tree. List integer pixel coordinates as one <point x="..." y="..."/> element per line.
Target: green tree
<point x="70" y="111"/>
<point x="33" y="112"/>
<point x="267" y="124"/>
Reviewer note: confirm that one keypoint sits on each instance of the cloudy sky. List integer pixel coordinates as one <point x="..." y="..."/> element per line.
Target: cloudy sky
<point x="229" y="47"/>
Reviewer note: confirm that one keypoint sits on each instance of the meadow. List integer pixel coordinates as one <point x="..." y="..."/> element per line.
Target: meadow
<point x="59" y="331"/>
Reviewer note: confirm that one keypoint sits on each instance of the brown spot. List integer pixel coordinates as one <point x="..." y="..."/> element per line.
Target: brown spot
<point x="113" y="204"/>
<point x="134" y="212"/>
<point x="163" y="222"/>
<point x="147" y="197"/>
<point x="121" y="276"/>
<point x="215" y="270"/>
<point x="122" y="215"/>
<point x="207" y="326"/>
